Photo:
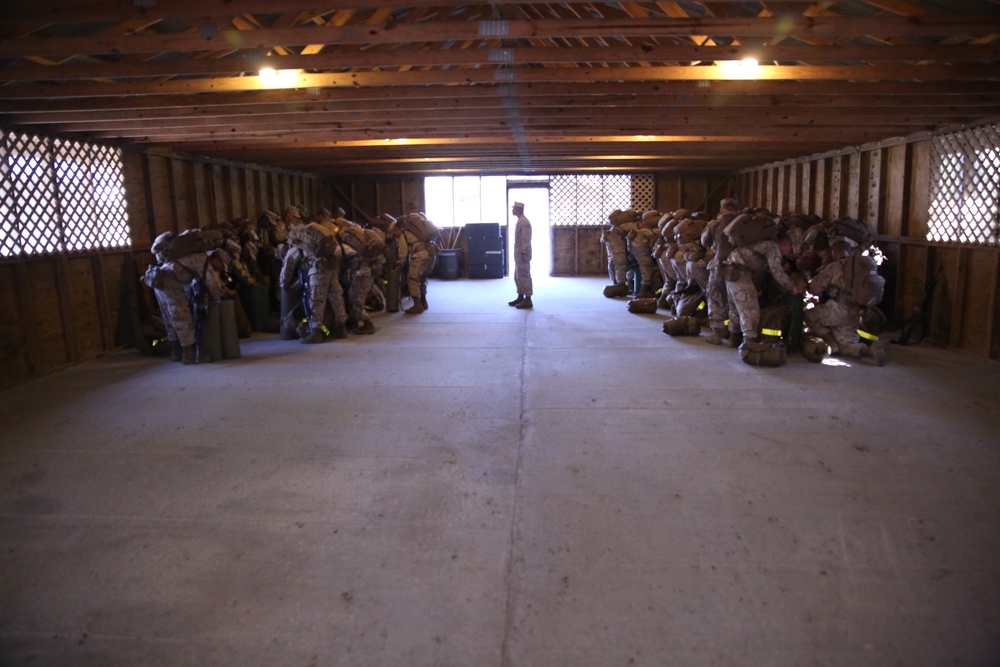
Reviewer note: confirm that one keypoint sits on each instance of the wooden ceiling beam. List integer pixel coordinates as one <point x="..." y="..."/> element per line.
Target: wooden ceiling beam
<point x="577" y="136"/>
<point x="96" y="11"/>
<point x="586" y="75"/>
<point x="763" y="92"/>
<point x="805" y="104"/>
<point x="410" y="118"/>
<point x="513" y="56"/>
<point x="442" y="31"/>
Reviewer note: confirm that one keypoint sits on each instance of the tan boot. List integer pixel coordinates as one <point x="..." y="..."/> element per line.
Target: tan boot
<point x="719" y="334"/>
<point x="315" y="336"/>
<point x="525" y="304"/>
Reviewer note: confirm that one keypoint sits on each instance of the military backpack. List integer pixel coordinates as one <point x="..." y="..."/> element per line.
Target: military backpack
<point x="418" y="225"/>
<point x="862" y="284"/>
<point x="747" y="229"/>
<point x="314" y="238"/>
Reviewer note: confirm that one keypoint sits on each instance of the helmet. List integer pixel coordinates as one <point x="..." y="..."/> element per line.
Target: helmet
<point x="161" y="246"/>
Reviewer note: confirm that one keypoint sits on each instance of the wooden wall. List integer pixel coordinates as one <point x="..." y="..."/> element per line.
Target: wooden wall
<point x="887" y="184"/>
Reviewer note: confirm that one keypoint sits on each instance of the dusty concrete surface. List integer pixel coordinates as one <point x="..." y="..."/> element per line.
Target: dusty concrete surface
<point x="480" y="486"/>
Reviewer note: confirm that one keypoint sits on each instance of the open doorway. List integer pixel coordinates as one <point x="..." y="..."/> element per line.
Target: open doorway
<point x="535" y="197"/>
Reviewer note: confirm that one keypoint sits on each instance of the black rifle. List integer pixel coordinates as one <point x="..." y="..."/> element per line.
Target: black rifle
<point x="199" y="299"/>
<point x="306" y="305"/>
<point x="916" y="327"/>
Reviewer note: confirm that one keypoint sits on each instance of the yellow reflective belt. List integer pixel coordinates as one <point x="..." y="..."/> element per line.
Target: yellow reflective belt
<point x="867" y="336"/>
<point x="771" y="332"/>
<point x="701" y="306"/>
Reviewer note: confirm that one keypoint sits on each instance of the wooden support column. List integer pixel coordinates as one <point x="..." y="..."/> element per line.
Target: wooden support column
<point x="174" y="177"/>
<point x="147" y="188"/>
<point x="103" y="306"/>
<point x="29" y="327"/>
<point x="66" y="319"/>
<point x="961" y="273"/>
<point x="993" y="314"/>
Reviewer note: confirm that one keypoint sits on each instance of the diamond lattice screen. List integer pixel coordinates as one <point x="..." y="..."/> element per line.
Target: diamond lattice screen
<point x="587" y="199"/>
<point x="965" y="187"/>
<point x="60" y="196"/>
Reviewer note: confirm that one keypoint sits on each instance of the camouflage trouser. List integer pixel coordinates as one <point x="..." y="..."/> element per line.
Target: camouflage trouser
<point x="718" y="301"/>
<point x="324" y="289"/>
<point x="178" y="319"/>
<point x="617" y="260"/>
<point x="357" y="293"/>
<point x="522" y="277"/>
<point x="668" y="271"/>
<point x="421" y="265"/>
<point x="647" y="267"/>
<point x="837" y="319"/>
<point x="698" y="272"/>
<point x="743" y="305"/>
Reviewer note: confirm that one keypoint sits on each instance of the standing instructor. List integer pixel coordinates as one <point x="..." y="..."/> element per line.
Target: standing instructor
<point x="522" y="258"/>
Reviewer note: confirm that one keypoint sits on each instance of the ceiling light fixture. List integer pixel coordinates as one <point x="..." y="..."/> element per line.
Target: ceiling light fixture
<point x="739" y="69"/>
<point x="277" y="78"/>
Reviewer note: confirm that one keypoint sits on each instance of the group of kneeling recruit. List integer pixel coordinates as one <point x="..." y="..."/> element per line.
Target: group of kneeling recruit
<point x="322" y="273"/>
<point x="764" y="284"/>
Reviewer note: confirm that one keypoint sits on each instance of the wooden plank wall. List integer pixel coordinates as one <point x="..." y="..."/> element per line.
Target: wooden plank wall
<point x="888" y="185"/>
<point x="56" y="311"/>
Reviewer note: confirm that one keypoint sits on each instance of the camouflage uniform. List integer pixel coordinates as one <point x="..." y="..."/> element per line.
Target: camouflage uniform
<point x="423" y="256"/>
<point x="360" y="285"/>
<point x="613" y="237"/>
<point x="738" y="270"/>
<point x="664" y="251"/>
<point x="715" y="288"/>
<point x="640" y="244"/>
<point x="522" y="257"/>
<point x="323" y="275"/>
<point x="833" y="320"/>
<point x="176" y="284"/>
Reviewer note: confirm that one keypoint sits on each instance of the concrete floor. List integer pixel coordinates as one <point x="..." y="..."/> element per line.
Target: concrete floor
<point x="479" y="486"/>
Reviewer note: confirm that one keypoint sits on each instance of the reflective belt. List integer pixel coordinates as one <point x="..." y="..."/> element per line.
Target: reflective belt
<point x="867" y="336"/>
<point x="771" y="332"/>
<point x="701" y="306"/>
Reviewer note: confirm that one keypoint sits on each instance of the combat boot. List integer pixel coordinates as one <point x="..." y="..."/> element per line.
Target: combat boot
<point x="302" y="329"/>
<point x="423" y="301"/>
<point x="719" y="334"/>
<point x="645" y="291"/>
<point x="876" y="351"/>
<point x="339" y="330"/>
<point x="519" y="299"/>
<point x="735" y="338"/>
<point x="315" y="336"/>
<point x="366" y="327"/>
<point x="415" y="309"/>
<point x="525" y="304"/>
<point x="176" y="351"/>
<point x="189" y="355"/>
<point x="203" y="356"/>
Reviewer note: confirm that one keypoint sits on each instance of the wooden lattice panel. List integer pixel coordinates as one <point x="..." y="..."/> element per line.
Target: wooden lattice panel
<point x="60" y="196"/>
<point x="965" y="187"/>
<point x="643" y="192"/>
<point x="587" y="199"/>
